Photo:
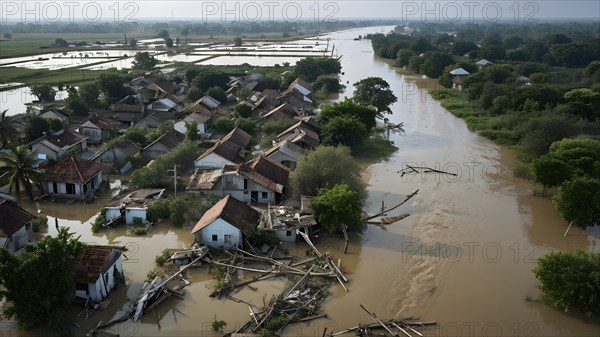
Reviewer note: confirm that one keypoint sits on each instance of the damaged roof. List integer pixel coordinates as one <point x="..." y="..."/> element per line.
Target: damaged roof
<point x="73" y="170"/>
<point x="93" y="262"/>
<point x="13" y="218"/>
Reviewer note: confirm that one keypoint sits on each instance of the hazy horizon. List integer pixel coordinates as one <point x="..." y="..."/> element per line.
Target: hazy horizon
<point x="293" y="11"/>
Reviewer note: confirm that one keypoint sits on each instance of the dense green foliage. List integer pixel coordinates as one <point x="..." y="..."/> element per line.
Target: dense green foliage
<point x="217" y="93"/>
<point x="156" y="175"/>
<point x="41" y="275"/>
<point x="570" y="281"/>
<point x="17" y="170"/>
<point x="324" y="168"/>
<point x="44" y="92"/>
<point x="8" y="130"/>
<point x="144" y="61"/>
<point x="375" y="91"/>
<point x="311" y="68"/>
<point x="338" y="207"/>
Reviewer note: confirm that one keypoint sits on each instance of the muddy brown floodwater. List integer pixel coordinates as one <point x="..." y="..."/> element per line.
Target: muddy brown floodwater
<point x="464" y="257"/>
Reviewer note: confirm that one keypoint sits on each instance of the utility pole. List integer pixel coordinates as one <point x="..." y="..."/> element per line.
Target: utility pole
<point x="174" y="170"/>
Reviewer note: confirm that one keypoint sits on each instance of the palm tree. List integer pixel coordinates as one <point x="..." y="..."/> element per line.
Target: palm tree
<point x="17" y="169"/>
<point x="8" y="132"/>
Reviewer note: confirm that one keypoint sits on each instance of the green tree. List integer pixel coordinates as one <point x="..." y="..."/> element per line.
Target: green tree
<point x="90" y="92"/>
<point x="224" y="125"/>
<point x="169" y="42"/>
<point x="462" y="47"/>
<point x="61" y="43"/>
<point x="338" y="207"/>
<point x="275" y="127"/>
<point x="164" y="34"/>
<point x="570" y="281"/>
<point x="8" y="131"/>
<point x="49" y="259"/>
<point x="7" y="35"/>
<point x="17" y="170"/>
<point x="44" y="92"/>
<point x="194" y="94"/>
<point x="208" y="79"/>
<point x="244" y="93"/>
<point x="550" y="171"/>
<point x="326" y="167"/>
<point x="375" y="91"/>
<point x="242" y="110"/>
<point x="434" y="63"/>
<point x="217" y="93"/>
<point x="144" y="61"/>
<point x="75" y="105"/>
<point x="237" y="41"/>
<point x="329" y="83"/>
<point x="178" y="207"/>
<point x="247" y="125"/>
<point x="133" y="43"/>
<point x="137" y="135"/>
<point x="578" y="201"/>
<point x="36" y="127"/>
<point x="311" y="68"/>
<point x="185" y="32"/>
<point x="111" y="84"/>
<point x="192" y="133"/>
<point x="344" y="130"/>
<point x="55" y="124"/>
<point x="403" y="57"/>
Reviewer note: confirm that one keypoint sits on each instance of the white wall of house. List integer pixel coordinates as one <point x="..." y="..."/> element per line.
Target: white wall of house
<point x="112" y="213"/>
<point x="94" y="134"/>
<point x="51" y="154"/>
<point x="18" y="239"/>
<point x="99" y="290"/>
<point x="234" y="185"/>
<point x="182" y="128"/>
<point x="131" y="213"/>
<point x="212" y="161"/>
<point x="286" y="235"/>
<point x="60" y="188"/>
<point x="215" y="234"/>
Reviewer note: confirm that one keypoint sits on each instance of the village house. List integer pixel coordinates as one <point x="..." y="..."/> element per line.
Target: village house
<point x="260" y="181"/>
<point x="204" y="105"/>
<point x="202" y="122"/>
<point x="285" y="221"/>
<point x="483" y="63"/>
<point x="164" y="105"/>
<point x="97" y="271"/>
<point x="458" y="78"/>
<point x="223" y="226"/>
<point x="119" y="153"/>
<point x="15" y="226"/>
<point x="156" y="119"/>
<point x="165" y="143"/>
<point x="57" y="146"/>
<point x="286" y="153"/>
<point x="229" y="150"/>
<point x="132" y="206"/>
<point x="295" y="97"/>
<point x="73" y="178"/>
<point x="54" y="113"/>
<point x="129" y="113"/>
<point x="303" y="134"/>
<point x="141" y="82"/>
<point x="99" y="129"/>
<point x="284" y="111"/>
<point x="301" y="85"/>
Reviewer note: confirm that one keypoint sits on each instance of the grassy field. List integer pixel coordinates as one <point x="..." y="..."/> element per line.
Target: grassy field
<point x="487" y="125"/>
<point x="72" y="76"/>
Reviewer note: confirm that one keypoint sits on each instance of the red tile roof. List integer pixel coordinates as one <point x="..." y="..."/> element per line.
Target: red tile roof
<point x="13" y="218"/>
<point x="233" y="211"/>
<point x="73" y="170"/>
<point x="93" y="262"/>
<point x="231" y="147"/>
<point x="270" y="169"/>
<point x="169" y="139"/>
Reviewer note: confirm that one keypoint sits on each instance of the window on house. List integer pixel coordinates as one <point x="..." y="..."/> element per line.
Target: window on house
<point x="245" y="184"/>
<point x="70" y="188"/>
<point x="265" y="195"/>
<point x="227" y="238"/>
<point x="215" y="237"/>
<point x="288" y="233"/>
<point x="54" y="187"/>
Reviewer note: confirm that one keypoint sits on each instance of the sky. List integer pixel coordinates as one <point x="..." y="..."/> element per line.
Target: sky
<point x="517" y="11"/>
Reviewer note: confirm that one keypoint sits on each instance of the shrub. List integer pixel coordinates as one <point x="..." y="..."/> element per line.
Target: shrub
<point x="161" y="258"/>
<point x="218" y="325"/>
<point x="38" y="222"/>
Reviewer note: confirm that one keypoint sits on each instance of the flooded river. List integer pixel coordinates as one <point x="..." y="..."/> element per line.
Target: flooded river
<point x="464" y="256"/>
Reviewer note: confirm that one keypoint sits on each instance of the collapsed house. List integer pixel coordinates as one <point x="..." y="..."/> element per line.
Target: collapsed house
<point x="132" y="206"/>
<point x="285" y="221"/>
